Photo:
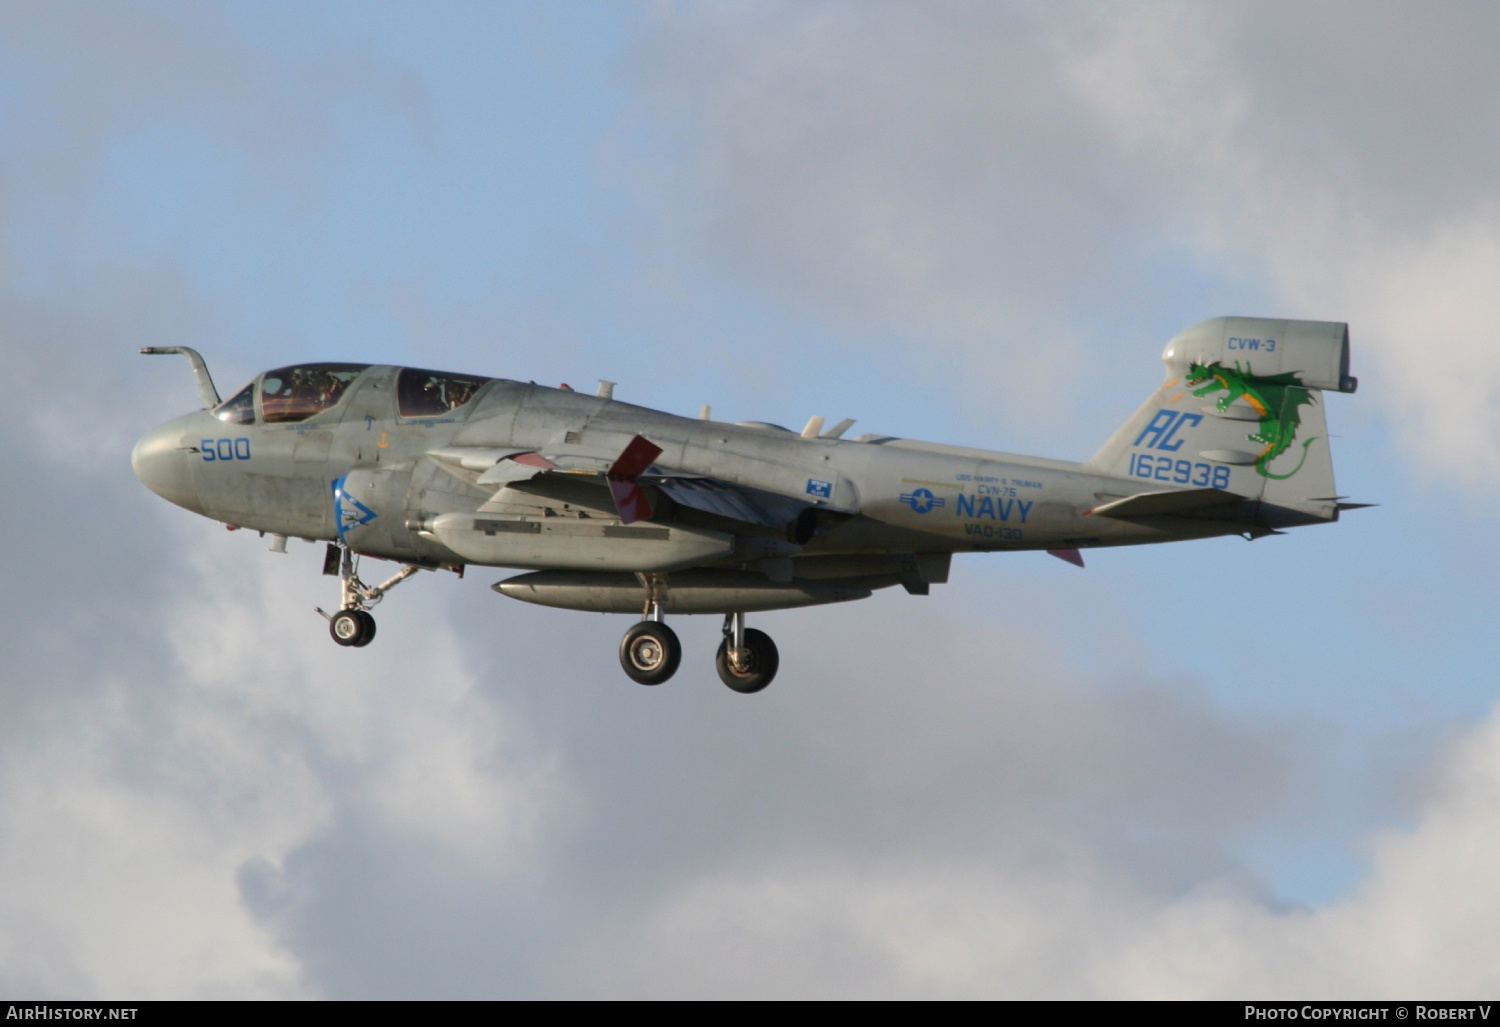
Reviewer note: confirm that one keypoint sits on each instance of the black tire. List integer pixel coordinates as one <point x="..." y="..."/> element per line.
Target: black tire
<point x="367" y="635"/>
<point x="764" y="662"/>
<point x="347" y="627"/>
<point x="650" y="653"/>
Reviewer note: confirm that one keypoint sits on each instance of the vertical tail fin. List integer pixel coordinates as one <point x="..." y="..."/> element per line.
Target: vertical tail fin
<point x="1242" y="411"/>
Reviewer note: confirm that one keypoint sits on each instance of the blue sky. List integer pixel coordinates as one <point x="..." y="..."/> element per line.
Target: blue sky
<point x="973" y="224"/>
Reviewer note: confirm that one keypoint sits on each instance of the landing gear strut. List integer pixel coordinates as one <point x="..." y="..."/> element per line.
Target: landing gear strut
<point x="650" y="651"/>
<point x="747" y="659"/>
<point x="353" y="625"/>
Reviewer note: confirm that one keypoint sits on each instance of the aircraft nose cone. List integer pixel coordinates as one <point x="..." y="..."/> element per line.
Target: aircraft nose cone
<point x="162" y="465"/>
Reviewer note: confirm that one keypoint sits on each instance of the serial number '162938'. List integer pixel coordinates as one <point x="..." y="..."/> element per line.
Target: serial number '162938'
<point x="1179" y="472"/>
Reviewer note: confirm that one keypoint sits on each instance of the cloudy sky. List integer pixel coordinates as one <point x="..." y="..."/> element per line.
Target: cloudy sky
<point x="1211" y="769"/>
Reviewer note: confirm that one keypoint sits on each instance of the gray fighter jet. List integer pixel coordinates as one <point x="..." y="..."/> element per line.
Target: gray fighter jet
<point x="622" y="509"/>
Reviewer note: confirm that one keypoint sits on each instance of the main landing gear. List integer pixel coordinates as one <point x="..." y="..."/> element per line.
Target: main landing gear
<point x="747" y="659"/>
<point x="352" y="625"/>
<point x="650" y="652"/>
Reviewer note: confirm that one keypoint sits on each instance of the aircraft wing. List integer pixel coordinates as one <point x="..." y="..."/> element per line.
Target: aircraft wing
<point x="624" y="481"/>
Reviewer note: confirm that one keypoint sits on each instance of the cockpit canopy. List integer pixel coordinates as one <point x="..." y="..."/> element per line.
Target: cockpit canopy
<point x="291" y="394"/>
<point x="240" y="409"/>
<point x="434" y="393"/>
<point x="296" y="393"/>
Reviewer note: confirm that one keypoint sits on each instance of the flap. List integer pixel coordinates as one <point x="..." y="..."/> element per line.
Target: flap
<point x="734" y="502"/>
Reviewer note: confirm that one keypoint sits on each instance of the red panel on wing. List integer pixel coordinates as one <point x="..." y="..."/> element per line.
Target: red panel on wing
<point x="630" y="498"/>
<point x="635" y="459"/>
<point x="534" y="460"/>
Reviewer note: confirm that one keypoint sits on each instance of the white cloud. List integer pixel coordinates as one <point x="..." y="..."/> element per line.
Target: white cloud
<point x="994" y="183"/>
<point x="436" y="758"/>
<point x="114" y="886"/>
<point x="131" y="814"/>
<point x="918" y="172"/>
<point x="1419" y="924"/>
<point x="1062" y="923"/>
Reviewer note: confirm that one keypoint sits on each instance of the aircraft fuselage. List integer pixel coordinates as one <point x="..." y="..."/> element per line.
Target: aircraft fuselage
<point x="901" y="496"/>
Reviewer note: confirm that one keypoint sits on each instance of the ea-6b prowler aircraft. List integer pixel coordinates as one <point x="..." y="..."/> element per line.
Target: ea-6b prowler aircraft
<point x="617" y="508"/>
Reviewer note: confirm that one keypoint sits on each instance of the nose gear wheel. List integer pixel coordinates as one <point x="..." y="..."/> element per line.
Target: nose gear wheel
<point x="352" y="627"/>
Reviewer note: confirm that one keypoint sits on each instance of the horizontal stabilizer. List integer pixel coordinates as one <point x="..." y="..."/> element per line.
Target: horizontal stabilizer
<point x="1157" y="504"/>
<point x="1341" y="505"/>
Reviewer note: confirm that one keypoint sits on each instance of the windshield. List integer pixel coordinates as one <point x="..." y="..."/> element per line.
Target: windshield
<point x="433" y="393"/>
<point x="240" y="409"/>
<point x="296" y="393"/>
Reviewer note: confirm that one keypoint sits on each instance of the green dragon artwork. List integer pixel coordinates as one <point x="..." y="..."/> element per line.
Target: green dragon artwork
<point x="1277" y="398"/>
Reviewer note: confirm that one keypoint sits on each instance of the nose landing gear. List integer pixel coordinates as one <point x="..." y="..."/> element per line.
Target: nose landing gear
<point x="353" y="625"/>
